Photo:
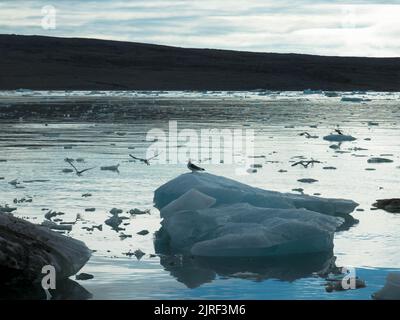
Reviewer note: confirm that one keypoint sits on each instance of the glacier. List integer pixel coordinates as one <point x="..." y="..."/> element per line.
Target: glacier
<point x="212" y="216"/>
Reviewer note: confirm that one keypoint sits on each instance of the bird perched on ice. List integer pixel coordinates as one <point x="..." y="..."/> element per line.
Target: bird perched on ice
<point x="192" y="167"/>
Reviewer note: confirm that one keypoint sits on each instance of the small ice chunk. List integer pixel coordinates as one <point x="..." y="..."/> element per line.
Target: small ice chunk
<point x="137" y="211"/>
<point x="379" y="160"/>
<point x="339" y="138"/>
<point x="114" y="222"/>
<point x="331" y="94"/>
<point x="310" y="91"/>
<point x="110" y="168"/>
<point x="307" y="180"/>
<point x="352" y="99"/>
<point x="54" y="226"/>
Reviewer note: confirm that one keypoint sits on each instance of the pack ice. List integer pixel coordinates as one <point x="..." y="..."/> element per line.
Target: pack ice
<point x="210" y="216"/>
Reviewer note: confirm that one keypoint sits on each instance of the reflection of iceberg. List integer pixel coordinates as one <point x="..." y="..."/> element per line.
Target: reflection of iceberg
<point x="195" y="271"/>
<point x="224" y="218"/>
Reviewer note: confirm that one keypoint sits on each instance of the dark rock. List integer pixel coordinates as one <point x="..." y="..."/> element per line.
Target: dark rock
<point x="389" y="205"/>
<point x="25" y="248"/>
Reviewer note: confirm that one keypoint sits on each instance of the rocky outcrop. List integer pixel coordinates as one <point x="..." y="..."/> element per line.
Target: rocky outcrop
<point x="25" y="248"/>
<point x="389" y="205"/>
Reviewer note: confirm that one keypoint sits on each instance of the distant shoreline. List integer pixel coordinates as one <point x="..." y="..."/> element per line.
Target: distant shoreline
<point x="49" y="63"/>
<point x="115" y="108"/>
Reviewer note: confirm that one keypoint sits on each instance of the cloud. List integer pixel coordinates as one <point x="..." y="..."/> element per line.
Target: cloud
<point x="361" y="28"/>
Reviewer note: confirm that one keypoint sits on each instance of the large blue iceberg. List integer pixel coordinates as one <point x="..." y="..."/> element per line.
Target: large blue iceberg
<point x="212" y="216"/>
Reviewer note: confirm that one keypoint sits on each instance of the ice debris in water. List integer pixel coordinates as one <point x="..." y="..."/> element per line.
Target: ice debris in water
<point x="307" y="180"/>
<point x="339" y="138"/>
<point x="352" y="99"/>
<point x="379" y="160"/>
<point x="208" y="215"/>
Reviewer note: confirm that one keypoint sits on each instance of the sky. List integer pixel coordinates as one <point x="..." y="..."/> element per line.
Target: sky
<point x="342" y="28"/>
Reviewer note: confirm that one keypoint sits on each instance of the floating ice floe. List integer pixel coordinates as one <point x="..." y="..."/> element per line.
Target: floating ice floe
<point x="54" y="226"/>
<point x="110" y="168"/>
<point x="307" y="180"/>
<point x="310" y="91"/>
<point x="331" y="94"/>
<point x="352" y="99"/>
<point x="212" y="216"/>
<point x="379" y="160"/>
<point x="339" y="138"/>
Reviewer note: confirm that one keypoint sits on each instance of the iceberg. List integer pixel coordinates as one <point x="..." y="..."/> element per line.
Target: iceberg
<point x="241" y="230"/>
<point x="228" y="191"/>
<point x="210" y="216"/>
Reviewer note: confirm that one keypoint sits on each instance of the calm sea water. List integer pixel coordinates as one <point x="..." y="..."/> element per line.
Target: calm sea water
<point x="34" y="153"/>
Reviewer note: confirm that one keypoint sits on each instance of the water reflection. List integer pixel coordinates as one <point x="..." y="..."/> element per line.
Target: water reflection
<point x="196" y="271"/>
<point x="65" y="290"/>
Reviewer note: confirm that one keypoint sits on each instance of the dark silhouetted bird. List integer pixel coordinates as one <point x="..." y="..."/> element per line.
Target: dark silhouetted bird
<point x="78" y="172"/>
<point x="146" y="161"/>
<point x="192" y="167"/>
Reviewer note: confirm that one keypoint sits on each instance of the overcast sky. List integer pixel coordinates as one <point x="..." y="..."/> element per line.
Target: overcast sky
<point x="346" y="28"/>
